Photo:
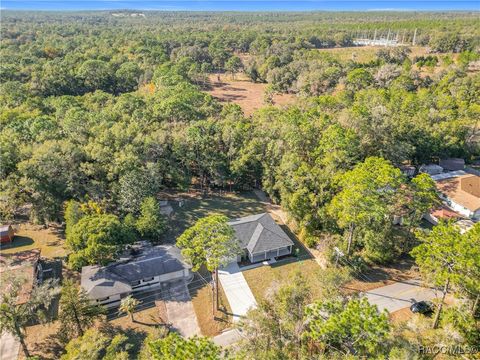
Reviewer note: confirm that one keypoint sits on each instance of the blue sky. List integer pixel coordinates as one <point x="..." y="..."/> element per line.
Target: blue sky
<point x="239" y="5"/>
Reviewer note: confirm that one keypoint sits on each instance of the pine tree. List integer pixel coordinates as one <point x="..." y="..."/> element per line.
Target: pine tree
<point x="77" y="312"/>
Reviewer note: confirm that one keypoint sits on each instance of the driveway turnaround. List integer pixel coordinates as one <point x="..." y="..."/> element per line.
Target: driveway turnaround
<point x="9" y="347"/>
<point x="236" y="289"/>
<point x="399" y="295"/>
<point x="180" y="312"/>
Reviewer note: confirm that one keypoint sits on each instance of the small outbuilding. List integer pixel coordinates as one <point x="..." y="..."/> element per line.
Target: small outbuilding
<point x="6" y="234"/>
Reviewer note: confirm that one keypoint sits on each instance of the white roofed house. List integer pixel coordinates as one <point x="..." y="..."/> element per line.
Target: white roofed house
<point x="261" y="238"/>
<point x="146" y="268"/>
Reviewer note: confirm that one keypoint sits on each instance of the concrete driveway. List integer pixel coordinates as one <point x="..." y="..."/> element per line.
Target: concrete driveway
<point x="236" y="289"/>
<point x="180" y="312"/>
<point x="399" y="295"/>
<point x="9" y="347"/>
<point x="227" y="338"/>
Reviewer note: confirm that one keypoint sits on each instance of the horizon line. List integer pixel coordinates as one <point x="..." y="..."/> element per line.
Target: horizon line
<point x="240" y="11"/>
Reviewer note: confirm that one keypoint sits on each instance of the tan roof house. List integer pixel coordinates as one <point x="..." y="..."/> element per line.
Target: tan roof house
<point x="462" y="194"/>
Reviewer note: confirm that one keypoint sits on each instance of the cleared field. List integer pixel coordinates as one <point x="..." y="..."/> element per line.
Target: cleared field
<point x="196" y="206"/>
<point x="27" y="237"/>
<point x="367" y="53"/>
<point x="250" y="96"/>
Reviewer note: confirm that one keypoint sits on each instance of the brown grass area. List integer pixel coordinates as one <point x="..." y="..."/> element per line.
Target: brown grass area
<point x="144" y="321"/>
<point x="401" y="315"/>
<point x="42" y="341"/>
<point x="243" y="92"/>
<point x="210" y="325"/>
<point x="27" y="237"/>
<point x="364" y="54"/>
<point x="367" y="53"/>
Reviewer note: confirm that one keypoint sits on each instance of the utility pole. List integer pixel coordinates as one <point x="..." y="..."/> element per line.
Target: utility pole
<point x="414" y="37"/>
<point x="338" y="254"/>
<point x="217" y="288"/>
<point x="375" y="35"/>
<point x="388" y="37"/>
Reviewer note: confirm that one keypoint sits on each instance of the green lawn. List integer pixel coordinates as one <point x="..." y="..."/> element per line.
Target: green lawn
<point x="194" y="208"/>
<point x="27" y="237"/>
<point x="264" y="279"/>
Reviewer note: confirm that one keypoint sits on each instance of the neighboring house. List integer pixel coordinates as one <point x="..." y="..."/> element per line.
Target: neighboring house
<point x="6" y="234"/>
<point x="261" y="238"/>
<point x="24" y="266"/>
<point x="461" y="192"/>
<point x="145" y="267"/>
<point x="452" y="164"/>
<point x="441" y="213"/>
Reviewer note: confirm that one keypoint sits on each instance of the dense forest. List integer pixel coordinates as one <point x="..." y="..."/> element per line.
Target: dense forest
<point x="112" y="108"/>
<point x="102" y="111"/>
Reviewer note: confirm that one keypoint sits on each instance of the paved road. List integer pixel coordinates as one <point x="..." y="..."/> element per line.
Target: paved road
<point x="400" y="295"/>
<point x="180" y="310"/>
<point x="236" y="289"/>
<point x="9" y="347"/>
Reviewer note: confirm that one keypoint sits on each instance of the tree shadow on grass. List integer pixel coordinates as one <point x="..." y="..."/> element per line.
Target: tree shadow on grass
<point x="18" y="241"/>
<point x="49" y="348"/>
<point x="225" y="312"/>
<point x="135" y="337"/>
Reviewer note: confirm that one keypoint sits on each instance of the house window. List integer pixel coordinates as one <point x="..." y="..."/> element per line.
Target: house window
<point x="148" y="279"/>
<point x="135" y="282"/>
<point x="103" y="299"/>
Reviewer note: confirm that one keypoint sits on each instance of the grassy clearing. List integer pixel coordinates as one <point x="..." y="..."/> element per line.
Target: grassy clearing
<point x="403" y="269"/>
<point x="365" y="54"/>
<point x="42" y="341"/>
<point x="243" y="92"/>
<point x="146" y="322"/>
<point x="196" y="207"/>
<point x="27" y="237"/>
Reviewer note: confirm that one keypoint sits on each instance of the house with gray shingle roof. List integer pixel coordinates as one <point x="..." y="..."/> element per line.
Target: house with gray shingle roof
<point x="261" y="238"/>
<point x="143" y="267"/>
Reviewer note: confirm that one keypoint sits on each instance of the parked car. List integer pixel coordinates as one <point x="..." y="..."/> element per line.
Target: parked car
<point x="421" y="307"/>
